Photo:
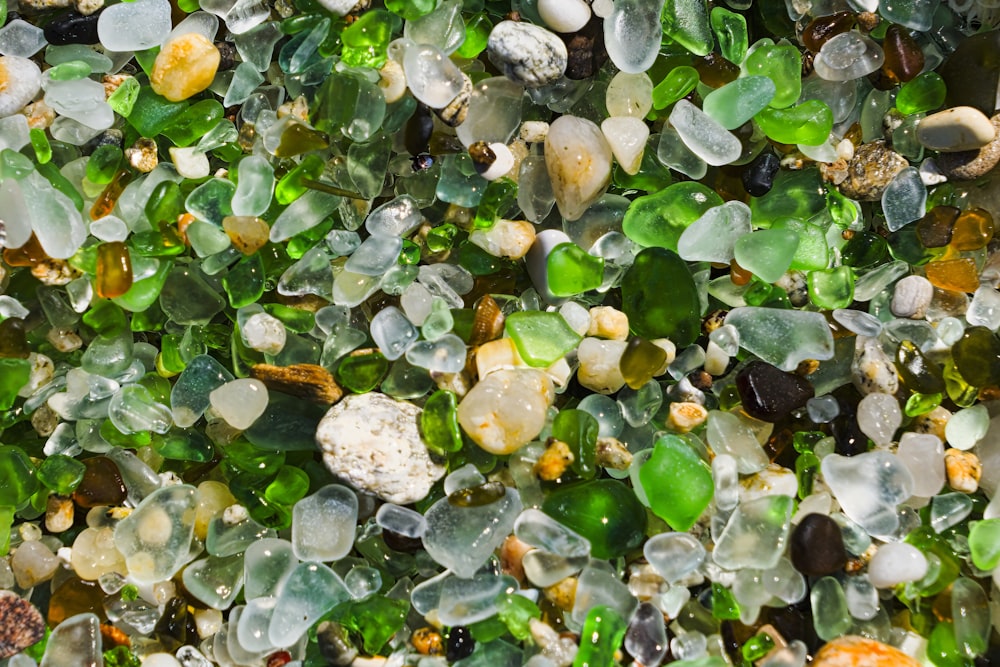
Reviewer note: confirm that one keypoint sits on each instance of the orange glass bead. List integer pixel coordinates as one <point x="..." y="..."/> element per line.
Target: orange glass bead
<point x="27" y="255"/>
<point x="823" y="28"/>
<point x="935" y="229"/>
<point x="105" y="203"/>
<point x="957" y="275"/>
<point x="114" y="269"/>
<point x="973" y="230"/>
<point x="183" y="221"/>
<point x="739" y="275"/>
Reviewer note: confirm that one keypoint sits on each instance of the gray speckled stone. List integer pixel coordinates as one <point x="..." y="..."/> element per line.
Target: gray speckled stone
<point x="527" y="54"/>
<point x="372" y="441"/>
<point x="912" y="297"/>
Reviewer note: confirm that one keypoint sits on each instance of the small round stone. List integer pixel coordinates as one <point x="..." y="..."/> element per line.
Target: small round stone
<point x="185" y="66"/>
<point x="527" y="54"/>
<point x="911" y="297"/>
<point x="896" y="563"/>
<point x="870" y="171"/>
<point x="817" y="546"/>
<point x="956" y="129"/>
<point x="240" y="402"/>
<point x="506" y="409"/>
<point x="564" y="15"/>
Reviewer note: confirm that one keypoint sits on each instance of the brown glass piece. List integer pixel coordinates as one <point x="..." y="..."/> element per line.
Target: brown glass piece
<point x="904" y="58"/>
<point x="27" y="255"/>
<point x="715" y="71"/>
<point x="824" y="28"/>
<point x="101" y="485"/>
<point x="76" y="596"/>
<point x="114" y="270"/>
<point x="13" y="339"/>
<point x="935" y="229"/>
<point x="109" y="196"/>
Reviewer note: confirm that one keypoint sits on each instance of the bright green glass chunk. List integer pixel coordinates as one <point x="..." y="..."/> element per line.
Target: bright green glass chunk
<point x="411" y="9"/>
<point x="68" y="71"/>
<point x="516" y="612"/>
<point x="808" y="123"/>
<point x="676" y="84"/>
<point x="289" y="486"/>
<point x="984" y="543"/>
<point x="439" y="422"/>
<point x="103" y="163"/>
<point x="366" y="39"/>
<point x="677" y="483"/>
<point x="658" y="220"/>
<point x="500" y="196"/>
<point x="289" y="187"/>
<point x="686" y="22"/>
<point x="943" y="649"/>
<point x="924" y="93"/>
<point x="795" y="194"/>
<point x="17" y="476"/>
<point x="660" y="297"/>
<point x="362" y="373"/>
<point x="832" y="288"/>
<point x="602" y="634"/>
<point x="477" y="33"/>
<point x="782" y="63"/>
<point x="541" y="338"/>
<point x="757" y="647"/>
<point x="730" y="30"/>
<point x="296" y="320"/>
<point x="921" y="404"/>
<point x="124" y="98"/>
<point x="376" y="619"/>
<point x="813" y="252"/>
<point x="61" y="474"/>
<point x="605" y="511"/>
<point x="571" y="270"/>
<point x="579" y="430"/>
<point x="930" y="542"/>
<point x="737" y="102"/>
<point x="40" y="144"/>
<point x="144" y="293"/>
<point x="806" y="467"/>
<point x="150" y="113"/>
<point x="14" y="374"/>
<point x="767" y="253"/>
<point x="724" y="605"/>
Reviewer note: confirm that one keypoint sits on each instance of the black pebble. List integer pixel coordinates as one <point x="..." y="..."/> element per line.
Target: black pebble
<point x="460" y="643"/>
<point x="769" y="393"/>
<point x="759" y="176"/>
<point x="72" y="28"/>
<point x="817" y="546"/>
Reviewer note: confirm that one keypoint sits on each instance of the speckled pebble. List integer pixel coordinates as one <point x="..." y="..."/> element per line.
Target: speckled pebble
<point x="970" y="165"/>
<point x="872" y="370"/>
<point x="372" y="441"/>
<point x="872" y="168"/>
<point x="527" y="54"/>
<point x="455" y="112"/>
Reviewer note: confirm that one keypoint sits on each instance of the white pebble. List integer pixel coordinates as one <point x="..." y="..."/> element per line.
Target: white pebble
<point x="956" y="129"/>
<point x="967" y="427"/>
<point x="896" y="563"/>
<point x="264" y="333"/>
<point x="22" y="81"/>
<point x="564" y="15"/>
<point x="503" y="163"/>
<point x="160" y="660"/>
<point x="911" y="297"/>
<point x="879" y="416"/>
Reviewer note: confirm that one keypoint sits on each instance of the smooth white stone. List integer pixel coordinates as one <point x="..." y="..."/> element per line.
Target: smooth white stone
<point x="896" y="563"/>
<point x="22" y="81"/>
<point x="503" y="163"/>
<point x="564" y="15"/>
<point x="956" y="129"/>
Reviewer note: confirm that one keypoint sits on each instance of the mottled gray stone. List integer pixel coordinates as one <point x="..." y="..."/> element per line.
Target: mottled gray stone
<point x="527" y="54"/>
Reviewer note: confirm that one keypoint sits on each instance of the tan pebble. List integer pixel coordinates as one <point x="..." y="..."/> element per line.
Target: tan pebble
<point x="608" y="322"/>
<point x="297" y="108"/>
<point x="533" y="131"/>
<point x="247" y="232"/>
<point x="185" y="66"/>
<point x="142" y="155"/>
<point x="667" y="346"/>
<point x="44" y="420"/>
<point x="685" y="417"/>
<point x="40" y="115"/>
<point x="59" y="513"/>
<point x="562" y="594"/>
<point x="932" y="422"/>
<point x="612" y="453"/>
<point x="956" y="129"/>
<point x="872" y="168"/>
<point x="854" y="651"/>
<point x="427" y="641"/>
<point x="51" y="271"/>
<point x="455" y="112"/>
<point x="64" y="340"/>
<point x="88" y="7"/>
<point x="554" y="461"/>
<point x="511" y="556"/>
<point x="392" y="81"/>
<point x="964" y="470"/>
<point x="507" y="238"/>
